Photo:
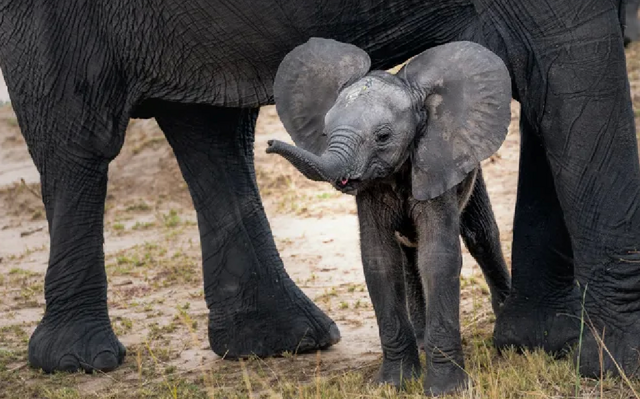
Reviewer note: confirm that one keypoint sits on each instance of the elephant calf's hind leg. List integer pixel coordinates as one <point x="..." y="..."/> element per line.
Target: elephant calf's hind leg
<point x="481" y="236"/>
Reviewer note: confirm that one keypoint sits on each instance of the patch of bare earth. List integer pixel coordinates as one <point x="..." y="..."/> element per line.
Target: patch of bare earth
<point x="155" y="282"/>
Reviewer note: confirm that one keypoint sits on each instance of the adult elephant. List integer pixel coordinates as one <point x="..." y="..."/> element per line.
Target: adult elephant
<point x="77" y="71"/>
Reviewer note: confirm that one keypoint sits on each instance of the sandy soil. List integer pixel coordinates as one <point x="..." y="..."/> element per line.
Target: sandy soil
<point x="4" y="94"/>
<point x="153" y="256"/>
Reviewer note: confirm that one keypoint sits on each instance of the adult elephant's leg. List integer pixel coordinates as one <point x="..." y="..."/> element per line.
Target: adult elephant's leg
<point x="592" y="147"/>
<point x="255" y="307"/>
<point x="72" y="156"/>
<point x="586" y="119"/>
<point x="541" y="310"/>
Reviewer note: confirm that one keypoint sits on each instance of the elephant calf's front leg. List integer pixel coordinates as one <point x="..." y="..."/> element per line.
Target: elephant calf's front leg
<point x="382" y="261"/>
<point x="439" y="262"/>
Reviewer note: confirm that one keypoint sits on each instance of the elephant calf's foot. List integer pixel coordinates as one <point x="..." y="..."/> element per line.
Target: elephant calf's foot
<point x="524" y="324"/>
<point x="73" y="345"/>
<point x="398" y="372"/>
<point x="271" y="326"/>
<point x="595" y="353"/>
<point x="445" y="379"/>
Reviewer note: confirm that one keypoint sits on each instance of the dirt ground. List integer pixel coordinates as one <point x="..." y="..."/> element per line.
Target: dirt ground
<point x="153" y="264"/>
<point x="4" y="94"/>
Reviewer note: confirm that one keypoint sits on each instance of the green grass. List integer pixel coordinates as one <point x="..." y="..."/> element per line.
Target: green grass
<point x="143" y="225"/>
<point x="152" y="369"/>
<point x="149" y="372"/>
<point x="171" y="219"/>
<point x="139" y="206"/>
<point x="118" y="227"/>
<point x="156" y="264"/>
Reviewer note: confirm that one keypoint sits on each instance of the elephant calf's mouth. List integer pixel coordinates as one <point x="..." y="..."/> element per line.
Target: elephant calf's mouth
<point x="342" y="182"/>
<point x="347" y="186"/>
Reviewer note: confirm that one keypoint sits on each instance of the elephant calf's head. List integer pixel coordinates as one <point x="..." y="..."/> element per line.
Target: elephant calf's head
<point x="447" y="109"/>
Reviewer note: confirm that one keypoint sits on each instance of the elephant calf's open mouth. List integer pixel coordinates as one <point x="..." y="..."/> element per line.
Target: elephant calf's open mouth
<point x="348" y="186"/>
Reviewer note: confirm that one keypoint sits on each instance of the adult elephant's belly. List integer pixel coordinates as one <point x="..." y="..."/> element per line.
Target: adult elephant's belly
<point x="214" y="74"/>
<point x="217" y="53"/>
<point x="226" y="53"/>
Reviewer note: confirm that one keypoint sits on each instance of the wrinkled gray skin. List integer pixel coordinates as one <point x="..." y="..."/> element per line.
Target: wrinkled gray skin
<point x="632" y="28"/>
<point x="376" y="138"/>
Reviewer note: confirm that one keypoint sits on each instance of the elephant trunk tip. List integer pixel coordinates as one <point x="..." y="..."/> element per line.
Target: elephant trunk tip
<point x="281" y="148"/>
<point x="272" y="146"/>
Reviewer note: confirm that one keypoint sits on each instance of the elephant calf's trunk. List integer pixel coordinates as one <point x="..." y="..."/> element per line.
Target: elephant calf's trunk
<point x="312" y="166"/>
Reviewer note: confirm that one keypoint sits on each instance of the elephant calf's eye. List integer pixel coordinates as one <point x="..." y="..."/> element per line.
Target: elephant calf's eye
<point x="383" y="136"/>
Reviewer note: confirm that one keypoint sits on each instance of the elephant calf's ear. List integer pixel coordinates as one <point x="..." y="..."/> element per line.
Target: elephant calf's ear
<point x="308" y="82"/>
<point x="466" y="91"/>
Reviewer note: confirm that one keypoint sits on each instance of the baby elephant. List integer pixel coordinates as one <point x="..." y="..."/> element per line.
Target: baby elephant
<point x="409" y="147"/>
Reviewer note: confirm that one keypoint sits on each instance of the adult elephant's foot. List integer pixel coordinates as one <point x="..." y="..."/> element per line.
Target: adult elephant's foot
<point x="611" y="340"/>
<point x="597" y="353"/>
<point x="81" y="343"/>
<point x="278" y="321"/>
<point x="552" y="325"/>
